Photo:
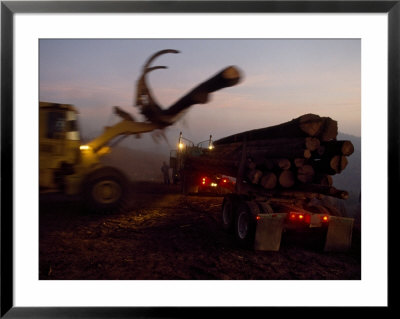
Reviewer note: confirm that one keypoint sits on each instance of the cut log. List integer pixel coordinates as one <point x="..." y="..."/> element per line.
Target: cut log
<point x="339" y="163"/>
<point x="329" y="130"/>
<point x="330" y="166"/>
<point x="305" y="174"/>
<point x="311" y="124"/>
<point x="333" y="148"/>
<point x="312" y="143"/>
<point x="254" y="176"/>
<point x="262" y="150"/>
<point x="303" y="126"/>
<point x="269" y="180"/>
<point x="286" y="179"/>
<point x="283" y="163"/>
<point x="299" y="162"/>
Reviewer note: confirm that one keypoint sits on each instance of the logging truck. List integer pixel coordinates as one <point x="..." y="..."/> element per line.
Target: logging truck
<point x="283" y="182"/>
<point x="68" y="166"/>
<point x="213" y="183"/>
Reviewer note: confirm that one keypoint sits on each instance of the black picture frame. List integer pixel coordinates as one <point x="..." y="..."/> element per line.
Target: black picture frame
<point x="9" y="8"/>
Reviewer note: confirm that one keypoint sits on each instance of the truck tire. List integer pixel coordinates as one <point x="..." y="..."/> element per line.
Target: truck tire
<point x="228" y="213"/>
<point x="105" y="190"/>
<point x="245" y="226"/>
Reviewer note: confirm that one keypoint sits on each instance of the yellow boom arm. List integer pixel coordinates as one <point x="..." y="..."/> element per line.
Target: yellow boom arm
<point x="124" y="127"/>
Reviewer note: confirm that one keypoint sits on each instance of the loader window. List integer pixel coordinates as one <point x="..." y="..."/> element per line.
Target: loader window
<point x="55" y="125"/>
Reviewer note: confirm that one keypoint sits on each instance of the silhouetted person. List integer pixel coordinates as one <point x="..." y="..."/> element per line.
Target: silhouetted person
<point x="165" y="171"/>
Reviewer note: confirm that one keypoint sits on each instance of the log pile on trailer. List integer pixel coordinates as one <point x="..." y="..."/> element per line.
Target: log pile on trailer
<point x="297" y="156"/>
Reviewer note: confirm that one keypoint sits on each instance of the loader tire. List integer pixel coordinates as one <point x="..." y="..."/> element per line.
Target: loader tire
<point x="245" y="226"/>
<point x="105" y="191"/>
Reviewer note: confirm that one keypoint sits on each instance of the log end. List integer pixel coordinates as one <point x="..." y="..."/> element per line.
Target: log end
<point x="231" y="73"/>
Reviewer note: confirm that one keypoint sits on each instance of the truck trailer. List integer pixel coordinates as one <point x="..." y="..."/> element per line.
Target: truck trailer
<point x="283" y="181"/>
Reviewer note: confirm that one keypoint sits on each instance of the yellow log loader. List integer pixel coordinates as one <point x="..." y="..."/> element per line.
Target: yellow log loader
<point x="68" y="166"/>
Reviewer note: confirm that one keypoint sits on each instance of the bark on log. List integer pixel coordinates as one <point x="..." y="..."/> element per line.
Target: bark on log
<point x="258" y="154"/>
<point x="303" y="126"/>
<point x="310" y="143"/>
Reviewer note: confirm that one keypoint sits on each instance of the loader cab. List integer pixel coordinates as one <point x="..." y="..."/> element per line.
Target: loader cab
<point x="59" y="141"/>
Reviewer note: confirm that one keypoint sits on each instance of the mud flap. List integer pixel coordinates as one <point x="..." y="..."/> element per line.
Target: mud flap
<point x="339" y="235"/>
<point x="269" y="231"/>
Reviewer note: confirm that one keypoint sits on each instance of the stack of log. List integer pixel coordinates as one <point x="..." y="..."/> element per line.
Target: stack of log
<point x="300" y="155"/>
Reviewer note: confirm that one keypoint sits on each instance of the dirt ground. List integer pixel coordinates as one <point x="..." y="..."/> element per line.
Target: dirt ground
<point x="165" y="235"/>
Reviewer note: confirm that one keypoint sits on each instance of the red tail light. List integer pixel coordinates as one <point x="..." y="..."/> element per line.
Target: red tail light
<point x="300" y="217"/>
<point x="325" y="219"/>
<point x="203" y="181"/>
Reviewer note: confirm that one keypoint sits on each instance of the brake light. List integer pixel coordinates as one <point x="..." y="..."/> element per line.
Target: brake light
<point x="325" y="218"/>
<point x="204" y="180"/>
<point x="258" y="217"/>
<point x="224" y="180"/>
<point x="300" y="217"/>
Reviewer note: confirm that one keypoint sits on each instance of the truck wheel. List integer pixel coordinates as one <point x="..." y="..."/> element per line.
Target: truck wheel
<point x="228" y="213"/>
<point x="105" y="190"/>
<point x="244" y="225"/>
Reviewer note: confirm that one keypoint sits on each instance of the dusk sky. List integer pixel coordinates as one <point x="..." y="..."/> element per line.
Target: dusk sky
<point x="281" y="80"/>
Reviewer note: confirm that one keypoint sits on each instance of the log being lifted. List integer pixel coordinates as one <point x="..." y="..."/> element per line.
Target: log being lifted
<point x="323" y="128"/>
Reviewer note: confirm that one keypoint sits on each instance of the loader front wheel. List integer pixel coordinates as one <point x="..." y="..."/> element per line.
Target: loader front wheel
<point x="105" y="190"/>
